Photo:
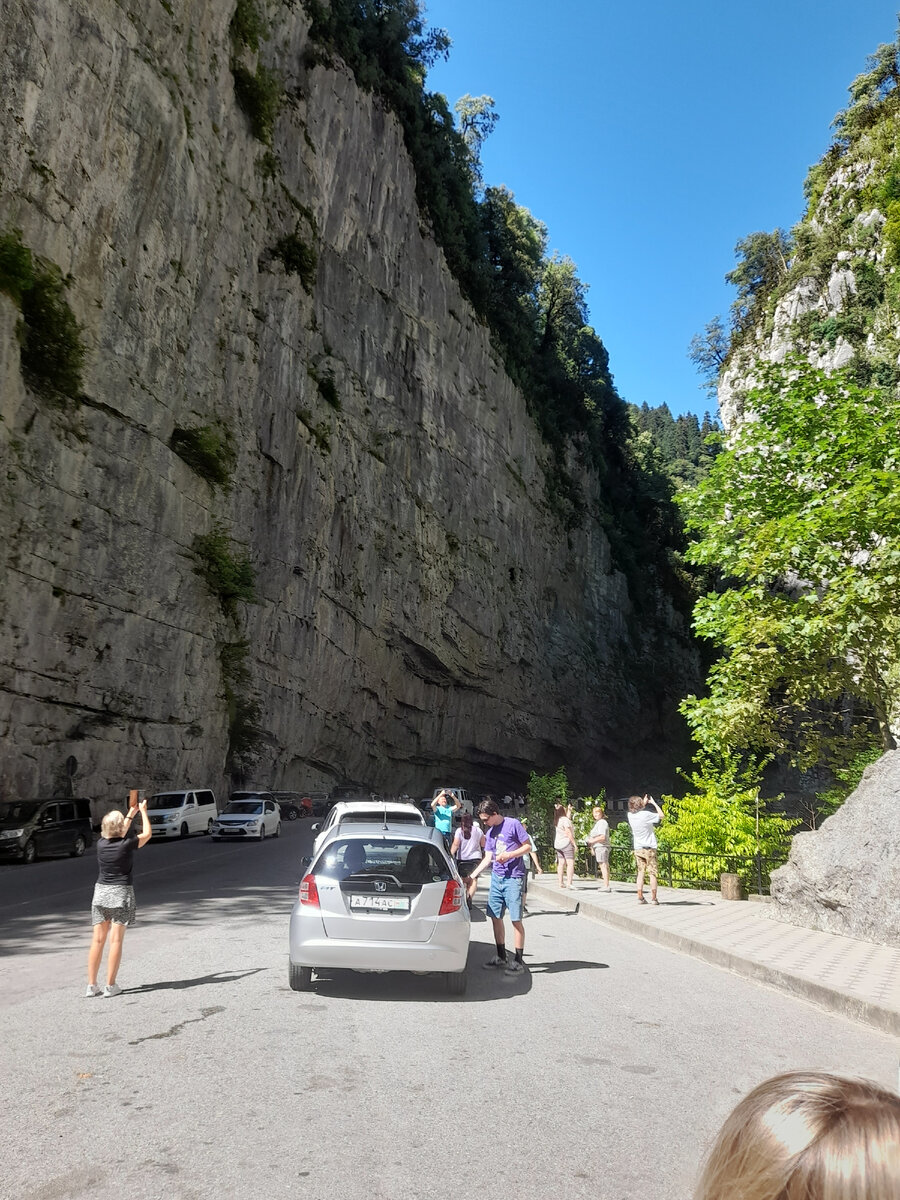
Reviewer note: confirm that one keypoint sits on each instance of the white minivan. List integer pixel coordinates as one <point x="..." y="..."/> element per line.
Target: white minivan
<point x="182" y="812"/>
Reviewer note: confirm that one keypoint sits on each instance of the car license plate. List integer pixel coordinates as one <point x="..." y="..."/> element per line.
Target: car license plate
<point x="380" y="903"/>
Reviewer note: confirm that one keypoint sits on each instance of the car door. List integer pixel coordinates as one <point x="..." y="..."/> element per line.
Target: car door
<point x="271" y="817"/>
<point x="46" y="836"/>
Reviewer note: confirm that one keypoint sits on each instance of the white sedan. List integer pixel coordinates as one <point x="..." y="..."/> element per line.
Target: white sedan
<point x="251" y="818"/>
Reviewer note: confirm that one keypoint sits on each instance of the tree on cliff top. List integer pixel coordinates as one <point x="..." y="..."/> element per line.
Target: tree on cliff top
<point x="801" y="515"/>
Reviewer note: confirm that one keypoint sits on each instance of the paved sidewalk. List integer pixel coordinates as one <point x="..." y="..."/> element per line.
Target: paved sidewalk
<point x="858" y="979"/>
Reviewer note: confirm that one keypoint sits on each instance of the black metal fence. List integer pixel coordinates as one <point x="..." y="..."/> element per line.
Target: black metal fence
<point x="679" y="868"/>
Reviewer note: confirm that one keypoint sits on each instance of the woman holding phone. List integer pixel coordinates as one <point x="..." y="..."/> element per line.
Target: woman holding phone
<point x="112" y="907"/>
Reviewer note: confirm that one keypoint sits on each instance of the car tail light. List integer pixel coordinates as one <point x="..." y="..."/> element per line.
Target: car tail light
<point x="309" y="893"/>
<point x="452" y="901"/>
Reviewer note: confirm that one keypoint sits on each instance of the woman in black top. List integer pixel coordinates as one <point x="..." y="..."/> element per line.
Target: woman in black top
<point x="113" y="902"/>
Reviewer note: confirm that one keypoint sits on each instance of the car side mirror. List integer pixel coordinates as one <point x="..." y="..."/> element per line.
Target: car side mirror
<point x="305" y="863"/>
<point x="315" y="828"/>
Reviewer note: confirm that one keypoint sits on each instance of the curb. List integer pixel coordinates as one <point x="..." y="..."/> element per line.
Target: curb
<point x="886" y="1020"/>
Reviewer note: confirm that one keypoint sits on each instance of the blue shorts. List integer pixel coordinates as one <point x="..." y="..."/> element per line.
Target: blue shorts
<point x="505" y="895"/>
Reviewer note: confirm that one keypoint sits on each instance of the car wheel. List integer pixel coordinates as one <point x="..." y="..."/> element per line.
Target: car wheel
<point x="79" y="847"/>
<point x="300" y="978"/>
<point x="292" y="814"/>
<point x="183" y="831"/>
<point x="456" y="982"/>
<point x="278" y="829"/>
<point x="29" y="853"/>
<point x="262" y="833"/>
<point x="209" y="825"/>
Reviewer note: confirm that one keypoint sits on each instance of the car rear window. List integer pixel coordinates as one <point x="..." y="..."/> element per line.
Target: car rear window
<point x="407" y="861"/>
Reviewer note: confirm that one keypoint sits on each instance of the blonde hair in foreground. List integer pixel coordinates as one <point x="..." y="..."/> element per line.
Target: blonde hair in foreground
<point x="112" y="825"/>
<point x="807" y="1135"/>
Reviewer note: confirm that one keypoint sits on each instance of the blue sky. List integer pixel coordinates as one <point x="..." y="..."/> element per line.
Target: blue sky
<point x="649" y="137"/>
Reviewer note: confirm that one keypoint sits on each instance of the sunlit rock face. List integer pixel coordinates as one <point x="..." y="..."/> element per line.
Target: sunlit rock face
<point x="421" y="615"/>
<point x="843" y="877"/>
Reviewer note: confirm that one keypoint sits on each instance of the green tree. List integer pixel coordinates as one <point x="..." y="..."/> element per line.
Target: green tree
<point x="544" y="791"/>
<point x="475" y="120"/>
<point x="708" y="351"/>
<point x="800" y="514"/>
<point x="871" y="92"/>
<point x="763" y="264"/>
<point x="723" y="813"/>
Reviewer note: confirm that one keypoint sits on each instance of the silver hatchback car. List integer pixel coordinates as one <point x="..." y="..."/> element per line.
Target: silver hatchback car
<point x="381" y="897"/>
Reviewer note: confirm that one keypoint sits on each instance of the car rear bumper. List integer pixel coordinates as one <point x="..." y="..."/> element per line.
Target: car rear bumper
<point x="447" y="950"/>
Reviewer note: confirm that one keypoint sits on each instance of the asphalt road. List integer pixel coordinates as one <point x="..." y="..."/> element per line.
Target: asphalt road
<point x="603" y="1072"/>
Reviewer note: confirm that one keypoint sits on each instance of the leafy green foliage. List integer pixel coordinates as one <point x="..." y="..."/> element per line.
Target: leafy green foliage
<point x="16" y="265"/>
<point x="762" y="264"/>
<point x="297" y="257"/>
<point x="242" y="707"/>
<point x="544" y="791"/>
<point x="227" y="576"/>
<point x="801" y="515"/>
<point x="52" y="350"/>
<point x="259" y="94"/>
<point x="247" y="24"/>
<point x="723" y="813"/>
<point x="208" y="450"/>
<point x="873" y="94"/>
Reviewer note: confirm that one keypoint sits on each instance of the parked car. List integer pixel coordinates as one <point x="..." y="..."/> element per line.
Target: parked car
<point x="254" y="817"/>
<point x="365" y="811"/>
<point x="319" y="803"/>
<point x="33" y="828"/>
<point x="292" y="805"/>
<point x="460" y="793"/>
<point x="380" y="897"/>
<point x="181" y="812"/>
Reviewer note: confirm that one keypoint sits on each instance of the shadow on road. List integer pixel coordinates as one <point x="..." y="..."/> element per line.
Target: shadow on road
<point x="181" y="984"/>
<point x="570" y="964"/>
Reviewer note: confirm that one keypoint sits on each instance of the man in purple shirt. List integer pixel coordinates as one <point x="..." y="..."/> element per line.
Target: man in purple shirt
<point x="506" y="847"/>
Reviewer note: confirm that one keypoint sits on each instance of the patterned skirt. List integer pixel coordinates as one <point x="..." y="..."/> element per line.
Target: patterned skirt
<point x="113" y="902"/>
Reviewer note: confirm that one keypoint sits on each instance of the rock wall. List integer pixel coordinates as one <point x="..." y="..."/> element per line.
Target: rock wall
<point x="843" y="877"/>
<point x="421" y="614"/>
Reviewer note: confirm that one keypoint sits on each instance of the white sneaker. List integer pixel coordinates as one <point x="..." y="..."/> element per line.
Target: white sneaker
<point x="112" y="989"/>
<point x="496" y="961"/>
<point x="514" y="967"/>
<point x="93" y="989"/>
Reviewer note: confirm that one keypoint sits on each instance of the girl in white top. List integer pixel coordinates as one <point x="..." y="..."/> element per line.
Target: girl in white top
<point x="598" y="839"/>
<point x="564" y="844"/>
<point x="468" y="845"/>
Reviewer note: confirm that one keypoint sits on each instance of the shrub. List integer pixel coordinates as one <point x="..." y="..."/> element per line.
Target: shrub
<point x="259" y="95"/>
<point x="16" y="266"/>
<point x="52" y="351"/>
<point x="243" y="710"/>
<point x="227" y="576"/>
<point x="206" y="450"/>
<point x="247" y="25"/>
<point x="297" y="257"/>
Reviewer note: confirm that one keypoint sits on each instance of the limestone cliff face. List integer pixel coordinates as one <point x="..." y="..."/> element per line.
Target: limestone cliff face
<point x="421" y="615"/>
<point x="839" y="305"/>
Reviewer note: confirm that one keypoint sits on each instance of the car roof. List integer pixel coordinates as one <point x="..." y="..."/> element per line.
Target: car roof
<point x="372" y="806"/>
<point x="404" y="829"/>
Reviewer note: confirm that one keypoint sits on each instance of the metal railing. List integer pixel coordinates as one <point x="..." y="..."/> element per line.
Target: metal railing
<point x="679" y="868"/>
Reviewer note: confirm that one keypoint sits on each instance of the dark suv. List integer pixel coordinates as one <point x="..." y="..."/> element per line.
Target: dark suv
<point x="29" y="828"/>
